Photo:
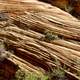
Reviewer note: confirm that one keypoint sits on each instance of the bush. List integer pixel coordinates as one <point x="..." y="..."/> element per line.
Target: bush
<point x="22" y="75"/>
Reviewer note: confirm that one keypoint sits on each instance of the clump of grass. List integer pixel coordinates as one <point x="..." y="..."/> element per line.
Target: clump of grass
<point x="58" y="72"/>
<point x="23" y="75"/>
<point x="20" y="75"/>
<point x="49" y="36"/>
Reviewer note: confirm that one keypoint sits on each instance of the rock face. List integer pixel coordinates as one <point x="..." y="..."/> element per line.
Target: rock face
<point x="3" y="17"/>
<point x="71" y="6"/>
<point x="39" y="37"/>
<point x="7" y="70"/>
<point x="59" y="3"/>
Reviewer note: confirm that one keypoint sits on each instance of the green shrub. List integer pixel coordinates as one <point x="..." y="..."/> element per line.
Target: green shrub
<point x="49" y="36"/>
<point x="22" y="75"/>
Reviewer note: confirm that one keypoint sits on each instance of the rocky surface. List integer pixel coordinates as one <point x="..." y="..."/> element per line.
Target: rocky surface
<point x="37" y="35"/>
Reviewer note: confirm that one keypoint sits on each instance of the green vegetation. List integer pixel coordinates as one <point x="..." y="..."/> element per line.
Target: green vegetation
<point x="23" y="75"/>
<point x="49" y="36"/>
<point x="57" y="73"/>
